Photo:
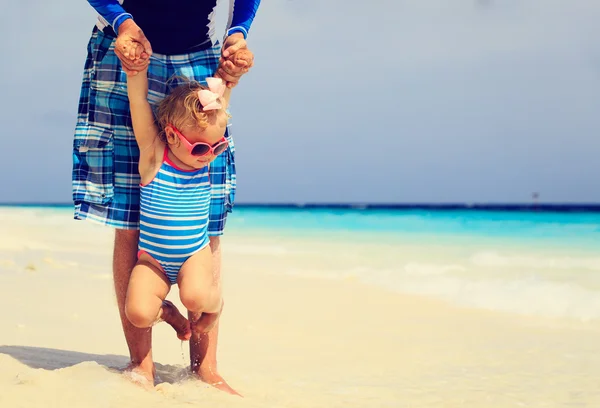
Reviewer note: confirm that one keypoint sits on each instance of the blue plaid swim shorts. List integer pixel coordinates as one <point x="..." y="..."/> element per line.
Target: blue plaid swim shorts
<point x="105" y="153"/>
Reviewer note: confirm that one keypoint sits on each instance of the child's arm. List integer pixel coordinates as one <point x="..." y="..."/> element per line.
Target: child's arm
<point x="142" y="118"/>
<point x="226" y="96"/>
<point x="242" y="58"/>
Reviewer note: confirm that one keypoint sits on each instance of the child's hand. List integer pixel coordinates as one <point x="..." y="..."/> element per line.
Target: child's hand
<point x="243" y="58"/>
<point x="234" y="66"/>
<point x="134" y="51"/>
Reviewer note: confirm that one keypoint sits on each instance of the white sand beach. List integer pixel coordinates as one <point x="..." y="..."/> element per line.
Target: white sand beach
<point x="287" y="339"/>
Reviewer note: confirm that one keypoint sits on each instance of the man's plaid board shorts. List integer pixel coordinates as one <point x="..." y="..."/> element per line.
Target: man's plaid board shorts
<point x="105" y="153"/>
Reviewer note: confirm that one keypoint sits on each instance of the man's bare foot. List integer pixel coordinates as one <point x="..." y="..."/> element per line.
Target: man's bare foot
<point x="213" y="378"/>
<point x="140" y="375"/>
<point x="171" y="315"/>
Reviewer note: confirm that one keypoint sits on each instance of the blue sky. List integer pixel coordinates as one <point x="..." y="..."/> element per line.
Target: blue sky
<point x="400" y="101"/>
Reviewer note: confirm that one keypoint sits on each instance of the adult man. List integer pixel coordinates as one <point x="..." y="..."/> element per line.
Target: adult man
<point x="179" y="35"/>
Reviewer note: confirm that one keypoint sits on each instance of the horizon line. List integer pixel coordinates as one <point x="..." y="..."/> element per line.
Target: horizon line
<point x="506" y="206"/>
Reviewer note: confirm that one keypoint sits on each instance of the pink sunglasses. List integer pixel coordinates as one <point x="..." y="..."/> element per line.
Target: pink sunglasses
<point x="201" y="148"/>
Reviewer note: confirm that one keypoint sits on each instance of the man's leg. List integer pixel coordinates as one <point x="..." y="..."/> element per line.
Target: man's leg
<point x="105" y="174"/>
<point x="139" y="341"/>
<point x="203" y="347"/>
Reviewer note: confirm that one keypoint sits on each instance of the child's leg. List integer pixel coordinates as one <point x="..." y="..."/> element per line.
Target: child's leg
<point x="199" y="291"/>
<point x="145" y="304"/>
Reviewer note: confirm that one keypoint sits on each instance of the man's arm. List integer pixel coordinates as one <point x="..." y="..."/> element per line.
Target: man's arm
<point x="241" y="15"/>
<point x="111" y="11"/>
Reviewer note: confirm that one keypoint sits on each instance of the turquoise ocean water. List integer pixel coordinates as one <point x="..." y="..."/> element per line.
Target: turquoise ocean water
<point x="568" y="228"/>
<point x="544" y="263"/>
<point x="580" y="229"/>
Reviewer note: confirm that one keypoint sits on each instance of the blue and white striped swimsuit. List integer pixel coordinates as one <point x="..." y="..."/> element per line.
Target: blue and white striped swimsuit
<point x="174" y="215"/>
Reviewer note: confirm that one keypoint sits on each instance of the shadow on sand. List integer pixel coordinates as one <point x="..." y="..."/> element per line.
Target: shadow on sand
<point x="54" y="359"/>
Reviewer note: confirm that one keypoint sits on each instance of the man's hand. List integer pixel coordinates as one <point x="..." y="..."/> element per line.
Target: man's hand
<point x="232" y="44"/>
<point x="230" y="67"/>
<point x="132" y="47"/>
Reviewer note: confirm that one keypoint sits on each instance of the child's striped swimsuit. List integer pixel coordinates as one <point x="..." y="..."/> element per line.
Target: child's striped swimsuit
<point x="174" y="215"/>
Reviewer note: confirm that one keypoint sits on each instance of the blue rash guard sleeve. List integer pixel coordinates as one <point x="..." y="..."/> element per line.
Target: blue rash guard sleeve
<point x="111" y="11"/>
<point x="241" y="16"/>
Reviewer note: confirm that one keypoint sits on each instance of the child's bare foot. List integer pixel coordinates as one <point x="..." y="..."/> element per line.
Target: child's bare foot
<point x="206" y="321"/>
<point x="171" y="315"/>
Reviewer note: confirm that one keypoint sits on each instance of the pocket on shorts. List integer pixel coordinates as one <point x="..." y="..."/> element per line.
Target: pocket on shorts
<point x="93" y="164"/>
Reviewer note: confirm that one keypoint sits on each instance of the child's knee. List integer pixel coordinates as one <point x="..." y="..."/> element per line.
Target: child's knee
<point x="194" y="301"/>
<point x="198" y="301"/>
<point x="140" y="316"/>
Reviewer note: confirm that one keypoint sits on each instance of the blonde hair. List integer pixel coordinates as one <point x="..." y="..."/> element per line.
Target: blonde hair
<point x="182" y="109"/>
